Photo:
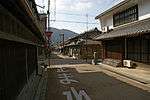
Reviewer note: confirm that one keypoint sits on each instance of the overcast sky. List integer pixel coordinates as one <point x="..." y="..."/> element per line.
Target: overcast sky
<point x="76" y="10"/>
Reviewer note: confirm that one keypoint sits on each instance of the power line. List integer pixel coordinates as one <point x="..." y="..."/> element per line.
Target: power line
<point x="75" y="14"/>
<point x="87" y="21"/>
<point x="112" y="3"/>
<point x="67" y="21"/>
<point x="40" y="6"/>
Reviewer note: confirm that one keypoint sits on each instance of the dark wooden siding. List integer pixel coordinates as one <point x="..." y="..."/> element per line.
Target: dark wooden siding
<point x="88" y="51"/>
<point x="114" y="49"/>
<point x="139" y="49"/>
<point x="13" y="69"/>
<point x="13" y="26"/>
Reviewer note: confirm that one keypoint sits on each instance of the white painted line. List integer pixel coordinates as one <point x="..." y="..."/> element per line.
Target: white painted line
<point x="68" y="94"/>
<point x="64" y="75"/>
<point x="81" y="94"/>
<point x="64" y="78"/>
<point x="67" y="81"/>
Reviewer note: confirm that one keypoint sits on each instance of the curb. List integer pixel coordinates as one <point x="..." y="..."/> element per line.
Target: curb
<point x="142" y="82"/>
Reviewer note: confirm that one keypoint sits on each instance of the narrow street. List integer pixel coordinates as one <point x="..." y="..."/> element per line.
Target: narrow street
<point x="70" y="79"/>
<point x="75" y="50"/>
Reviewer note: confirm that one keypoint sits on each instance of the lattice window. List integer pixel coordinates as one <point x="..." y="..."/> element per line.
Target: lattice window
<point x="139" y="49"/>
<point x="126" y="16"/>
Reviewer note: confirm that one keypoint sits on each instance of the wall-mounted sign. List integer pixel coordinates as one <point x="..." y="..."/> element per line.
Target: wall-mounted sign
<point x="48" y="34"/>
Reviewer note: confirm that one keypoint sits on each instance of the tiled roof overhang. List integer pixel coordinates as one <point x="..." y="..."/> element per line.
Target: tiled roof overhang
<point x="128" y="30"/>
<point x="22" y="11"/>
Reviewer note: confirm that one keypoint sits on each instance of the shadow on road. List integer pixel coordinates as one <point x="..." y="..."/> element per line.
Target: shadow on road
<point x="56" y="60"/>
<point x="98" y="86"/>
<point x="68" y="62"/>
<point x="54" y="56"/>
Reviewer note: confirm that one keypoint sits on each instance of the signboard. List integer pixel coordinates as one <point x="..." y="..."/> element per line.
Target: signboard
<point x="34" y="40"/>
<point x="48" y="34"/>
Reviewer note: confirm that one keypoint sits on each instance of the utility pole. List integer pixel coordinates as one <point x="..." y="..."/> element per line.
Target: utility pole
<point x="87" y="21"/>
<point x="63" y="40"/>
<point x="86" y="35"/>
<point x="48" y="29"/>
<point x="62" y="36"/>
<point x="48" y="13"/>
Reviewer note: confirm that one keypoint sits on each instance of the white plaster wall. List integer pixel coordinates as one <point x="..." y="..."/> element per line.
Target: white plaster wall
<point x="107" y="21"/>
<point x="144" y="9"/>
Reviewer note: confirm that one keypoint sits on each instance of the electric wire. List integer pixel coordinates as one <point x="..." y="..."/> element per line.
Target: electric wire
<point x="67" y="21"/>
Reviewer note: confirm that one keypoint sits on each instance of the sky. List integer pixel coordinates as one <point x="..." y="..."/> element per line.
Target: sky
<point x="76" y="11"/>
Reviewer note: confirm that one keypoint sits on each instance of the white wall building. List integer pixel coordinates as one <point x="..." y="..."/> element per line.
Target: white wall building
<point x="126" y="31"/>
<point x="107" y="18"/>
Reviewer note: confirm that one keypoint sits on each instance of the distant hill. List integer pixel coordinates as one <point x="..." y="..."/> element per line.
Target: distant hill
<point x="56" y="34"/>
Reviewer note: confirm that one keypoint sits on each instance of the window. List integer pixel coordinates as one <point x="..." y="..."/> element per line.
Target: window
<point x="129" y="15"/>
<point x="138" y="49"/>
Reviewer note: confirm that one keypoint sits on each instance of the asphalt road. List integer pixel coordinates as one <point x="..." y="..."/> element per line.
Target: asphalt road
<point x="76" y="80"/>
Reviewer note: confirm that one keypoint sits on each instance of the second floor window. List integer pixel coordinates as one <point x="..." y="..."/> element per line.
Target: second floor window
<point x="129" y="15"/>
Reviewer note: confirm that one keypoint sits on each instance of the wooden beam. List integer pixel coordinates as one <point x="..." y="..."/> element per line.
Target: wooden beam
<point x="10" y="37"/>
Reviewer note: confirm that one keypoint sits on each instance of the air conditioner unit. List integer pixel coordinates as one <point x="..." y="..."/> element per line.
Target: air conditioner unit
<point x="127" y="63"/>
<point x="105" y="29"/>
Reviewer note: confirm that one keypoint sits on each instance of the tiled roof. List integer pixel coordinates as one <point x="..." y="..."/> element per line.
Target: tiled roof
<point x="91" y="34"/>
<point x="128" y="30"/>
<point x="89" y="42"/>
<point x="81" y="38"/>
<point x="84" y="42"/>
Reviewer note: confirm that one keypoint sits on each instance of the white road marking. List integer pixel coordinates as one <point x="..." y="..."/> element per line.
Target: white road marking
<point x="68" y="94"/>
<point x="61" y="70"/>
<point x="65" y="79"/>
<point x="81" y="94"/>
<point x="64" y="75"/>
<point x="77" y="96"/>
